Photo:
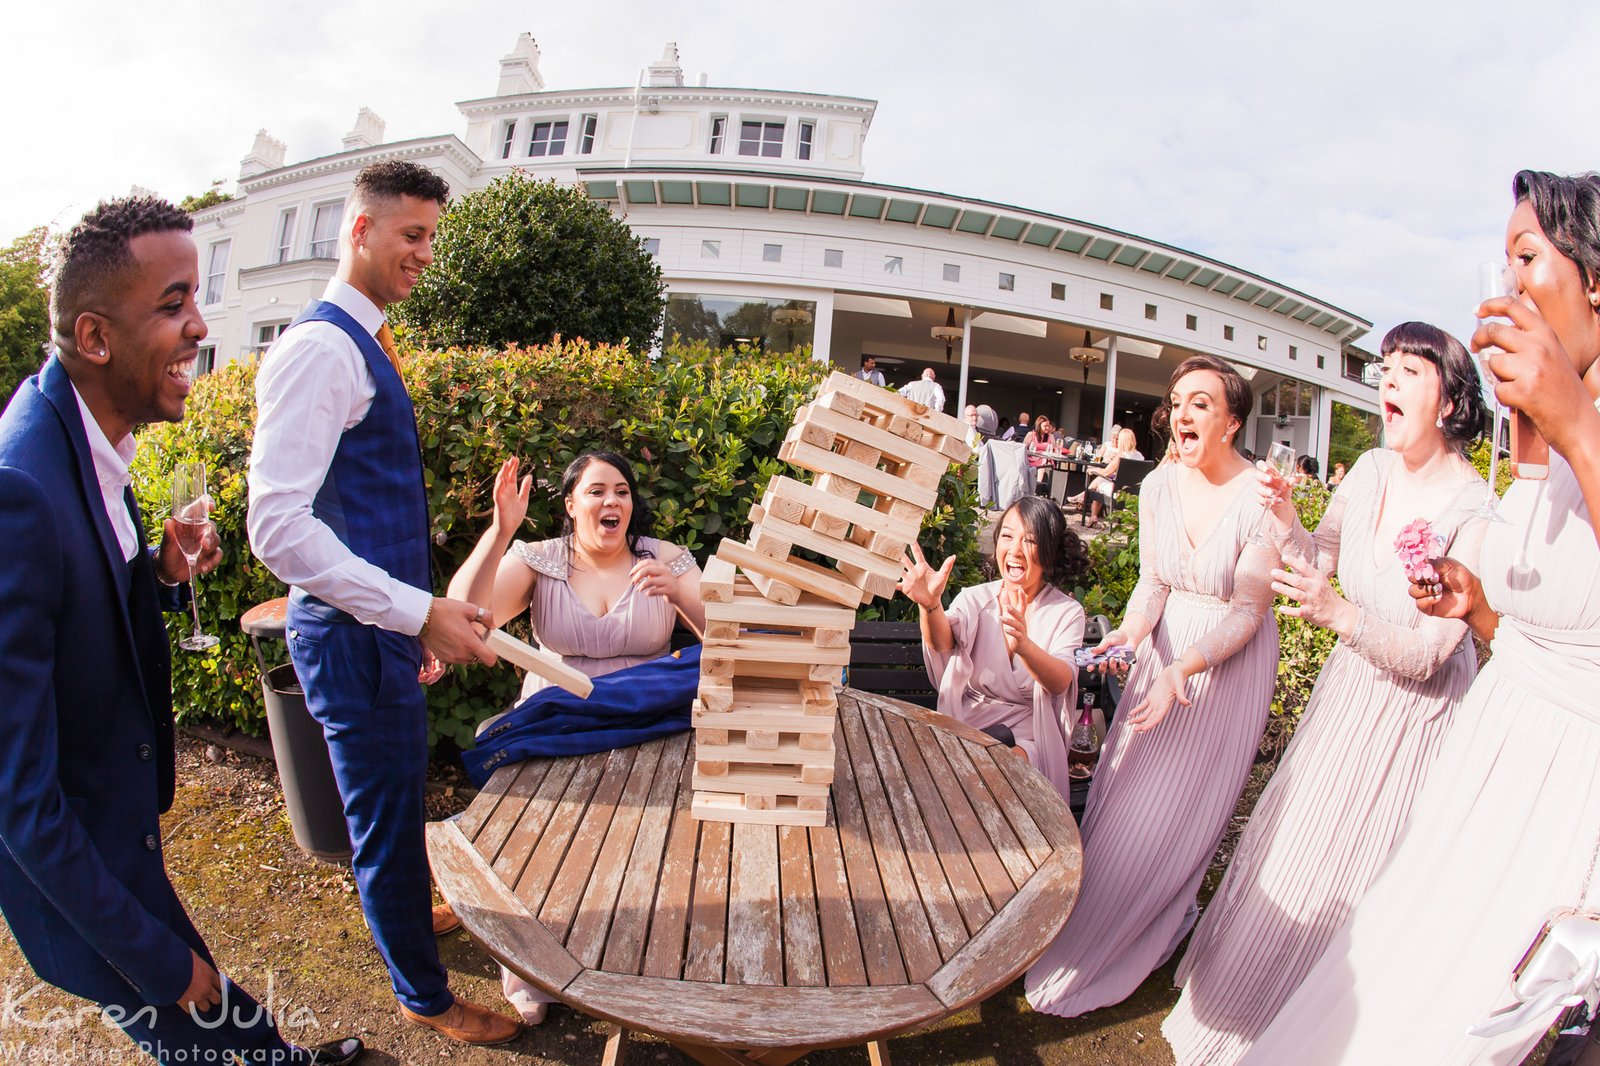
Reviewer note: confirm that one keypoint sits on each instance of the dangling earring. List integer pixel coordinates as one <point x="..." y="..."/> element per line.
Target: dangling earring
<point x="1438" y="423"/>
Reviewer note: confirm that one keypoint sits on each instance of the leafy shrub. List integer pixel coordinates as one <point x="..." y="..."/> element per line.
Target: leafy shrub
<point x="701" y="426"/>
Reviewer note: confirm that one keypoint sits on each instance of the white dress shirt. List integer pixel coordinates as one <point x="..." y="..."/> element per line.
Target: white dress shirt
<point x="111" y="462"/>
<point x="928" y="393"/>
<point x="314" y="384"/>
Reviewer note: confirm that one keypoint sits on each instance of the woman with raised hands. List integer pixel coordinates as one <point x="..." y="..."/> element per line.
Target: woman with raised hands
<point x="1185" y="734"/>
<point x="1001" y="655"/>
<point x="1377" y="715"/>
<point x="1507" y="828"/>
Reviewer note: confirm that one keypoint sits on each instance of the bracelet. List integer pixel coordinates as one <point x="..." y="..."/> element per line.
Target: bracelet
<point x="427" y="616"/>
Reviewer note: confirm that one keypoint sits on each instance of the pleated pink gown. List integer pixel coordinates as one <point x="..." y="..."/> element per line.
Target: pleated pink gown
<point x="1162" y="799"/>
<point x="1503" y="832"/>
<point x="1325" y="824"/>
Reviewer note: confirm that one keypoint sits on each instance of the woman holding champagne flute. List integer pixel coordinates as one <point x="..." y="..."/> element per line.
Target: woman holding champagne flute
<point x="1507" y="828"/>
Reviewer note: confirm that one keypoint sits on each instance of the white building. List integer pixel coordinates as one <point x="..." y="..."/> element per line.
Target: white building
<point x="755" y="204"/>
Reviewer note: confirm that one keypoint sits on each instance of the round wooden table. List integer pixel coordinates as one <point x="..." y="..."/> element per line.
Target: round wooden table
<point x="946" y="867"/>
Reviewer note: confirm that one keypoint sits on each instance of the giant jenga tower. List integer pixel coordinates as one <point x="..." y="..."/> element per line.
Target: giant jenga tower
<point x="778" y="627"/>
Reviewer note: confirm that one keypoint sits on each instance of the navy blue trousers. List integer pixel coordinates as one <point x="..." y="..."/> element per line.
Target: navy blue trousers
<point x="361" y="686"/>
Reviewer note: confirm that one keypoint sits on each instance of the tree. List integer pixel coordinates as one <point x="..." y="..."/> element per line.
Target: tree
<point x="523" y="261"/>
<point x="210" y="198"/>
<point x="1352" y="432"/>
<point x="24" y="308"/>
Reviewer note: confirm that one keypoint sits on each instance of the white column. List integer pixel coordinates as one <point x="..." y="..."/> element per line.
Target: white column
<point x="1106" y="419"/>
<point x="966" y="355"/>
<point x="1322" y="429"/>
<point x="822" y="330"/>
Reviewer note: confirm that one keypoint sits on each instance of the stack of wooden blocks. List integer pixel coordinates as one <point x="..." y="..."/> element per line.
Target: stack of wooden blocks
<point x="778" y="627"/>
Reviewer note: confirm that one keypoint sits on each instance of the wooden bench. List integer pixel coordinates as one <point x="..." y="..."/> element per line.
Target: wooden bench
<point x="886" y="658"/>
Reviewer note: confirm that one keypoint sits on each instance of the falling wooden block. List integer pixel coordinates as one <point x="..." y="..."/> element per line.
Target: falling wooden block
<point x="844" y="403"/>
<point x="829" y="525"/>
<point x="842" y="487"/>
<point x="843" y="506"/>
<point x="891" y="445"/>
<point x="539" y="662"/>
<point x="716" y="580"/>
<point x="774" y="590"/>
<point x="875" y="398"/>
<point x="788" y="510"/>
<point x="810" y="433"/>
<point x="858" y="452"/>
<point x="870" y="478"/>
<point x="832" y="547"/>
<point x="797" y="573"/>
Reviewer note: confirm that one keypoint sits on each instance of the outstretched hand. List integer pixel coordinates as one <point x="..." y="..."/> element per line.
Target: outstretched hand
<point x="921" y="583"/>
<point x="1315" y="599"/>
<point x="510" y="498"/>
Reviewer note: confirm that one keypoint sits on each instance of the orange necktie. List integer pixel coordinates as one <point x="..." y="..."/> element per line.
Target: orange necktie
<point x="386" y="342"/>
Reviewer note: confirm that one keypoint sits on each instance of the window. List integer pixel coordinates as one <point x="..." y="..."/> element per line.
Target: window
<point x="1105" y="301"/>
<point x="216" y="271"/>
<point x="1191" y="321"/>
<point x="1319" y="362"/>
<point x="206" y="360"/>
<point x="761" y="138"/>
<point x="1008" y="283"/>
<point x="549" y="138"/>
<point x="285" y="242"/>
<point x="710" y="249"/>
<point x="508" y="138"/>
<point x="269" y="332"/>
<point x="952" y="272"/>
<point x="586" y="137"/>
<point x="1150" y="312"/>
<point x="833" y="257"/>
<point x="1294" y="353"/>
<point x="808" y="131"/>
<point x="719" y="127"/>
<point x="1058" y="290"/>
<point x="325" y="230"/>
<point x="772" y="253"/>
<point x="893" y="264"/>
<point x="1227" y="333"/>
<point x="652" y="246"/>
<point x="1261" y="342"/>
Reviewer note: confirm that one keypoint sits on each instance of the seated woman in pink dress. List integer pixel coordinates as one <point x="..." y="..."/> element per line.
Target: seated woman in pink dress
<point x="1037" y="444"/>
<point x="604" y="595"/>
<point x="1001" y="655"/>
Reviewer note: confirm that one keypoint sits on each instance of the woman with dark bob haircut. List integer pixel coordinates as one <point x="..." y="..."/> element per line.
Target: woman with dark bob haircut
<point x="1184" y="738"/>
<point x="1001" y="656"/>
<point x="603" y="595"/>
<point x="1507" y="826"/>
<point x="1379" y="712"/>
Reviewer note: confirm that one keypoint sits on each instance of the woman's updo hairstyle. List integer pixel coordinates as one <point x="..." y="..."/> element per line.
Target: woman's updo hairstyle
<point x="1062" y="556"/>
<point x="1235" y="389"/>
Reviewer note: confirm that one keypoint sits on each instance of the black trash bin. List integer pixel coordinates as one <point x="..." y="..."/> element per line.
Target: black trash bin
<point x="309" y="792"/>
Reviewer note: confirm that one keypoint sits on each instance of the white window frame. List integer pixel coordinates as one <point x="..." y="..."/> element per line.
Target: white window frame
<point x="508" y="139"/>
<point x="550" y="141"/>
<point x="205" y="360"/>
<point x="331" y="251"/>
<point x="277" y="331"/>
<point x="288" y="221"/>
<point x="719" y="133"/>
<point x="805" y="139"/>
<point x="588" y="126"/>
<point x="217" y="273"/>
<point x="768" y="142"/>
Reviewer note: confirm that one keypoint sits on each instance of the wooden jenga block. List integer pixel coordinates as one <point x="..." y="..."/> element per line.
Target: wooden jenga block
<point x="712" y="735"/>
<point x="830" y="638"/>
<point x="845" y="506"/>
<point x="716" y="693"/>
<point x="833" y="548"/>
<point x="787" y="752"/>
<point x="721" y="630"/>
<point x="760" y="801"/>
<point x="842" y="487"/>
<point x="710" y="768"/>
<point x="716" y="580"/>
<point x="788" y="510"/>
<point x="774" y="590"/>
<point x="817" y="775"/>
<point x="904" y="511"/>
<point x="719" y="667"/>
<point x="829" y="525"/>
<point x="891" y="445"/>
<point x="719" y="807"/>
<point x="748" y="607"/>
<point x="873" y="584"/>
<point x="809" y="432"/>
<point x="860" y="536"/>
<point x="812" y="803"/>
<point x="921" y="475"/>
<point x="798" y="573"/>
<point x="844" y="403"/>
<point x="754" y="739"/>
<point x="857" y="452"/>
<point x="775" y="648"/>
<point x="888" y="545"/>
<point x="816" y="740"/>
<point x="766" y="542"/>
<point x="875" y="481"/>
<point x="875" y="398"/>
<point x="763" y="780"/>
<point x="788" y="720"/>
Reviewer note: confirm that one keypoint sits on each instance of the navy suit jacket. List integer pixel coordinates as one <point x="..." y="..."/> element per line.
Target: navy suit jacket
<point x="86" y="767"/>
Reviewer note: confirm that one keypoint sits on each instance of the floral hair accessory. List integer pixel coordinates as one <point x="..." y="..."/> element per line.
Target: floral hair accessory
<point x="1416" y="544"/>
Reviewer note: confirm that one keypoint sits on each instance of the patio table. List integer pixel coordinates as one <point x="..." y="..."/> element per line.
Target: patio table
<point x="946" y="867"/>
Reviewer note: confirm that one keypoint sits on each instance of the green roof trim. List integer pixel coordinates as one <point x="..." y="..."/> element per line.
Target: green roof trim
<point x="938" y="216"/>
<point x="1205" y="277"/>
<point x="1182" y="271"/>
<point x="1322" y="320"/>
<point x="714" y="193"/>
<point x="827" y="202"/>
<point x="640" y="192"/>
<point x="903" y="211"/>
<point x="1129" y="256"/>
<point x="753" y="195"/>
<point x="601" y="190"/>
<point x="1226" y="286"/>
<point x="1304" y="313"/>
<point x="1288" y="307"/>
<point x="789" y="199"/>
<point x="862" y="206"/>
<point x="677" y="192"/>
<point x="1248" y="292"/>
<point x="1267" y="300"/>
<point x="1073" y="242"/>
<point x="1101" y="249"/>
<point x="1043" y="236"/>
<point x="975" y="222"/>
<point x="1008" y="229"/>
<point x="1156" y="263"/>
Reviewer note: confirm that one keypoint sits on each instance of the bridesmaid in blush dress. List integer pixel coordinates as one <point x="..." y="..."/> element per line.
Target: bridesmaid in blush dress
<point x="603" y="596"/>
<point x="1186" y="731"/>
<point x="1507" y="826"/>
<point x="1376" y="718"/>
<point x="1002" y="655"/>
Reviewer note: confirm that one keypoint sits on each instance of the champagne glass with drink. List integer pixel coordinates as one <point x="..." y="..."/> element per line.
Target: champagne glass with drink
<point x="191" y="509"/>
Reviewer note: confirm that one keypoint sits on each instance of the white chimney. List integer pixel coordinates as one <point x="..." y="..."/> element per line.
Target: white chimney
<point x="519" y="70"/>
<point x="666" y="70"/>
<point x="367" y="131"/>
<point x="266" y="154"/>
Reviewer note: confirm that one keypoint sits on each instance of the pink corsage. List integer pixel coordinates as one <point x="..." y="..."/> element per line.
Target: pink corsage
<point x="1416" y="544"/>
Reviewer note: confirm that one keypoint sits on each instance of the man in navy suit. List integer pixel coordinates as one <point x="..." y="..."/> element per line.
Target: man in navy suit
<point x="87" y="766"/>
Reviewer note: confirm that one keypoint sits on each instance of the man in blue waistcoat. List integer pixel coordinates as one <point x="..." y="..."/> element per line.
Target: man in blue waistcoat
<point x="87" y="766"/>
<point x="338" y="511"/>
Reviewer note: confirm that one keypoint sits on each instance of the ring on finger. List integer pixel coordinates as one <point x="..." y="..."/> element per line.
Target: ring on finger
<point x="479" y="615"/>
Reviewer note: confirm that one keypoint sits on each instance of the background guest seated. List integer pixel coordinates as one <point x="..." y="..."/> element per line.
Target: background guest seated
<point x="1103" y="479"/>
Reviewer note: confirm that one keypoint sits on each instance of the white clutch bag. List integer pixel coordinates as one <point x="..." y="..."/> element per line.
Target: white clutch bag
<point x="1561" y="968"/>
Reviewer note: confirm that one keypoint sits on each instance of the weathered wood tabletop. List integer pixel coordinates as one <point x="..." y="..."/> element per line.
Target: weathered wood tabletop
<point x="947" y="865"/>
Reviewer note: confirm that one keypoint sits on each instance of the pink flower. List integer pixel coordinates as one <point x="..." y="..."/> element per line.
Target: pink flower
<point x="1416" y="544"/>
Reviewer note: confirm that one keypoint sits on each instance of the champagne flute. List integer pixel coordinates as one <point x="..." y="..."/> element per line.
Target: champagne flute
<point x="1494" y="281"/>
<point x="190" y="516"/>
<point x="1280" y="460"/>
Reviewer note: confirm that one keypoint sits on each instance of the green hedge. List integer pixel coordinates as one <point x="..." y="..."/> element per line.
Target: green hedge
<point x="702" y="427"/>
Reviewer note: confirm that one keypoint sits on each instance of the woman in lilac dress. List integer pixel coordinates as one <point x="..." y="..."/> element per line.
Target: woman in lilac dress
<point x="604" y="595"/>
<point x="1379" y="712"/>
<point x="1186" y="731"/>
<point x="1001" y="655"/>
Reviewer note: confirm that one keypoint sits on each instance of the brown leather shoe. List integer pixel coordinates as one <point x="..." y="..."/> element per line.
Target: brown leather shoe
<point x="468" y="1023"/>
<point x="444" y="920"/>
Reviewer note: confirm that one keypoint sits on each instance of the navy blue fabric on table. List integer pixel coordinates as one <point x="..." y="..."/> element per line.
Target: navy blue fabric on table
<point x="628" y="706"/>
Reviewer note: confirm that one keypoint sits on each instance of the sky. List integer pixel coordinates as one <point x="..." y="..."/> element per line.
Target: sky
<point x="1361" y="152"/>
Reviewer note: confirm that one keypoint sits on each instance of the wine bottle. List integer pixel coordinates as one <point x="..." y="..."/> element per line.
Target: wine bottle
<point x="1083" y="751"/>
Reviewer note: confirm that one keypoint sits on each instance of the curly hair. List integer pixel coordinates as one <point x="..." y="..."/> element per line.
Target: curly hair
<point x="640" y="519"/>
<point x="392" y="178"/>
<point x="1236" y="393"/>
<point x="1460" y="389"/>
<point x="96" y="252"/>
<point x="1568" y="210"/>
<point x="1062" y="556"/>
